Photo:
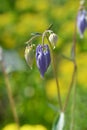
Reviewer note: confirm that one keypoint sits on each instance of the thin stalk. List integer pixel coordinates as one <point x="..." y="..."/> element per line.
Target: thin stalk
<point x="10" y="97"/>
<point x="45" y="34"/>
<point x="55" y="74"/>
<point x="75" y="65"/>
<point x="38" y="35"/>
<point x="57" y="82"/>
<point x="70" y="88"/>
<point x="72" y="124"/>
<point x="32" y="38"/>
<point x="72" y="84"/>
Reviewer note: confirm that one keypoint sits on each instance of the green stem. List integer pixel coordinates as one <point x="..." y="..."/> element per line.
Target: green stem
<point x="55" y="74"/>
<point x="32" y="38"/>
<point x="57" y="82"/>
<point x="72" y="84"/>
<point x="72" y="124"/>
<point x="75" y="65"/>
<point x="38" y="35"/>
<point x="70" y="88"/>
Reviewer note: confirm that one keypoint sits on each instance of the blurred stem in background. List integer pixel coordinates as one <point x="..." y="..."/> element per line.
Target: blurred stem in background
<point x="8" y="87"/>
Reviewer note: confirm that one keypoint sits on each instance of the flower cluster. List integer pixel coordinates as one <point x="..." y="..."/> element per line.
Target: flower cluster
<point x="43" y="59"/>
<point x="42" y="53"/>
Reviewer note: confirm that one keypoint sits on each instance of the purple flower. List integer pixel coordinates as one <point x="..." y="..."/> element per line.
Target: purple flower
<point x="43" y="58"/>
<point x="81" y="22"/>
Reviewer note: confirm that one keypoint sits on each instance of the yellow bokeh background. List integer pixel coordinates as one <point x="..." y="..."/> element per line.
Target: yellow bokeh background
<point x="18" y="20"/>
<point x="24" y="127"/>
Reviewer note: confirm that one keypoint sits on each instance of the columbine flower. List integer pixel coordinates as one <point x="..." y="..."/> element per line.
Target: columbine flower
<point x="43" y="58"/>
<point x="81" y="22"/>
<point x="29" y="55"/>
<point x="53" y="38"/>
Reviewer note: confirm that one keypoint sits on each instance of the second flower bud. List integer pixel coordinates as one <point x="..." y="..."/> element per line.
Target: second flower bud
<point x="53" y="38"/>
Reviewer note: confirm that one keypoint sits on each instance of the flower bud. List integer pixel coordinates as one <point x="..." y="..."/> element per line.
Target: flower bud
<point x="81" y="22"/>
<point x="82" y="2"/>
<point x="53" y="38"/>
<point x="29" y="55"/>
<point x="43" y="58"/>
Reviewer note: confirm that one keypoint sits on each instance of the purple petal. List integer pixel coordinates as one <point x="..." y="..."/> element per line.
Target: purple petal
<point x="81" y="21"/>
<point x="83" y="25"/>
<point x="47" y="56"/>
<point x="43" y="58"/>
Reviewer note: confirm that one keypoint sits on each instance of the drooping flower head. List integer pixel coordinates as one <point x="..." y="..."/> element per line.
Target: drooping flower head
<point x="43" y="58"/>
<point x="82" y="22"/>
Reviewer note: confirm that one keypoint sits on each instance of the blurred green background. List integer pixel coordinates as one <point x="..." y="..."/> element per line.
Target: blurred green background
<point x="36" y="98"/>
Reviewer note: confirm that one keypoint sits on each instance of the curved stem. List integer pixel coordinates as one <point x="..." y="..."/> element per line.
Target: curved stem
<point x="32" y="38"/>
<point x="39" y="34"/>
<point x="44" y="34"/>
